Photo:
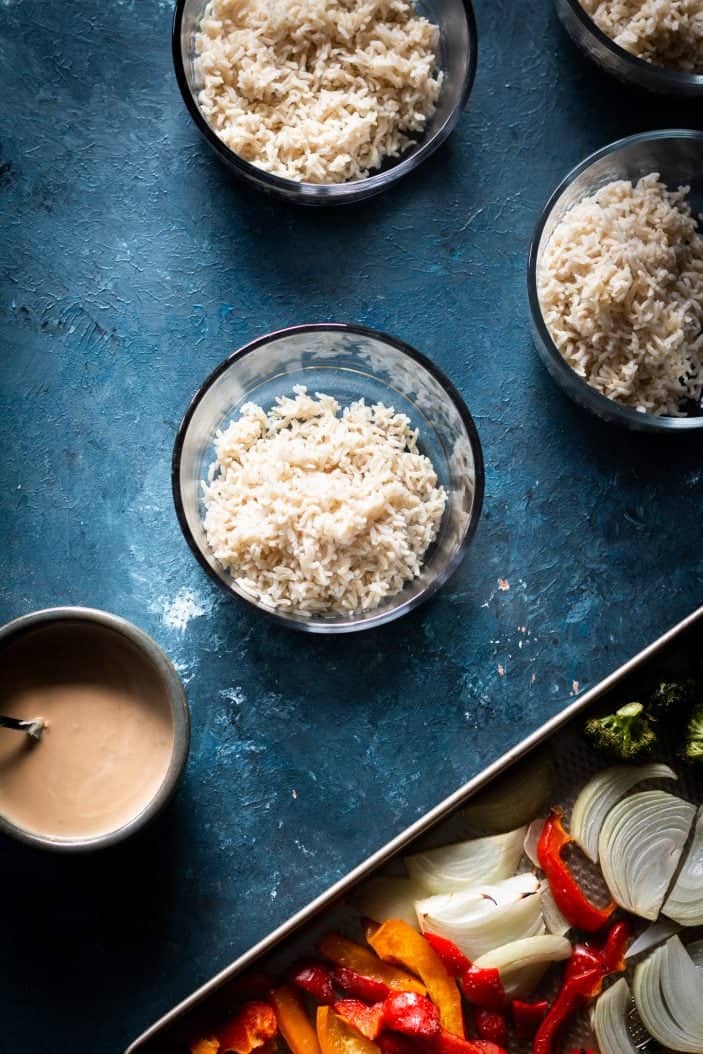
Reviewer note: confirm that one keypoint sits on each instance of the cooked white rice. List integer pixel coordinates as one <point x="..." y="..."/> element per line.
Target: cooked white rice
<point x="665" y="32"/>
<point x="620" y="284"/>
<point x="319" y="91"/>
<point x="316" y="511"/>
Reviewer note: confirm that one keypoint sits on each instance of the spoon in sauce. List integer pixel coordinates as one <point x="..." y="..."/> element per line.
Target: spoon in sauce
<point x="32" y="728"/>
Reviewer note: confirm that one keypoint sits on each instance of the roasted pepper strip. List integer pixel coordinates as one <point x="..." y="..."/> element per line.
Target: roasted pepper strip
<point x="412" y="1014"/>
<point x="583" y="980"/>
<point x="570" y="898"/>
<point x="293" y="1022"/>
<point x="253" y="1026"/>
<point x="491" y="1025"/>
<point x="484" y="988"/>
<point x="336" y="1037"/>
<point x="527" y="1017"/>
<point x="455" y="962"/>
<point x="343" y="952"/>
<point x="357" y="987"/>
<point x="368" y="1020"/>
<point x="449" y="1044"/>
<point x="397" y="942"/>
<point x="205" y="1045"/>
<point x="315" y="979"/>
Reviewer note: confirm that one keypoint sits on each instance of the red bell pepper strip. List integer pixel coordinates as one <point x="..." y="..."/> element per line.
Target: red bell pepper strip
<point x="343" y="952"/>
<point x="412" y="1014"/>
<point x="570" y="898"/>
<point x="356" y="986"/>
<point x="527" y="1017"/>
<point x="492" y="1026"/>
<point x="253" y="1026"/>
<point x="484" y="988"/>
<point x="368" y="1020"/>
<point x="486" y="1047"/>
<point x="583" y="980"/>
<point x="455" y="962"/>
<point x="448" y="1043"/>
<point x="394" y="1043"/>
<point x="315" y="979"/>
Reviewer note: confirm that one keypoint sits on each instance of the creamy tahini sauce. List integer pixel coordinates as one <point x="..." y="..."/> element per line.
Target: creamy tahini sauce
<point x="109" y="737"/>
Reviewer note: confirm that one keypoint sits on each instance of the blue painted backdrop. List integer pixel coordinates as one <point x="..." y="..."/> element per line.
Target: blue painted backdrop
<point x="131" y="265"/>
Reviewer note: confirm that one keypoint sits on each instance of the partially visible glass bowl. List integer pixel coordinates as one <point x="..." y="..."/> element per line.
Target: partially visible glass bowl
<point x="677" y="155"/>
<point x="620" y="63"/>
<point x="458" y="53"/>
<point x="349" y="363"/>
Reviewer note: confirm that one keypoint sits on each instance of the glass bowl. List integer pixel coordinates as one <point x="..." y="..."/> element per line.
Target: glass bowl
<point x="620" y="63"/>
<point x="347" y="362"/>
<point x="457" y="58"/>
<point x="677" y="154"/>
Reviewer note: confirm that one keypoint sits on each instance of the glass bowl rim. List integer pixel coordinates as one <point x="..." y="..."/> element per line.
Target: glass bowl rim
<point x="675" y="77"/>
<point x="325" y="193"/>
<point x="362" y="620"/>
<point x="593" y="399"/>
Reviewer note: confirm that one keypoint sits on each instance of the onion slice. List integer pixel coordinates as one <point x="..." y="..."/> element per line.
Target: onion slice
<point x="385" y="898"/>
<point x="553" y="918"/>
<point x="603" y="792"/>
<point x="465" y="864"/>
<point x="668" y="991"/>
<point x="609" y="1020"/>
<point x="486" y="917"/>
<point x="534" y="833"/>
<point x="653" y="935"/>
<point x="685" y="902"/>
<point x="522" y="963"/>
<point x="640" y="845"/>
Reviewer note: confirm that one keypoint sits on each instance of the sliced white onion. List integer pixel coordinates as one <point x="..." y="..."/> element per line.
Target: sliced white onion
<point x="609" y="1020"/>
<point x="534" y="833"/>
<point x="553" y="918"/>
<point x="655" y="934"/>
<point x="389" y="898"/>
<point x="513" y="800"/>
<point x="599" y="796"/>
<point x="522" y="963"/>
<point x="668" y="991"/>
<point x="695" y="950"/>
<point x="467" y="864"/>
<point x="640" y="845"/>
<point x="685" y="902"/>
<point x="481" y="919"/>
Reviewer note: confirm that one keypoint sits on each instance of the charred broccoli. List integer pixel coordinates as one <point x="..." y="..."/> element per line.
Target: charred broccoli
<point x="625" y="735"/>
<point x="672" y="698"/>
<point x="693" y="747"/>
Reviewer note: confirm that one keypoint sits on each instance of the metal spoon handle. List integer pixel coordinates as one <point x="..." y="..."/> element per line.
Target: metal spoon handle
<point x="32" y="728"/>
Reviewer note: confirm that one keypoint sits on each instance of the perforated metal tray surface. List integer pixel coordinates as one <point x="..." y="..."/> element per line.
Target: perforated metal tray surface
<point x="677" y="651"/>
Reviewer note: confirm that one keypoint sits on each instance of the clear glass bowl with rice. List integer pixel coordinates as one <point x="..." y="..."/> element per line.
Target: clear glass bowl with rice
<point x="324" y="102"/>
<point x="327" y="514"/>
<point x="652" y="44"/>
<point x="615" y="282"/>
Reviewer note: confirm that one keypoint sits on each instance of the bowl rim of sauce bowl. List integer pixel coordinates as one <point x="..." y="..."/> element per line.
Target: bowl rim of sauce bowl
<point x="178" y="706"/>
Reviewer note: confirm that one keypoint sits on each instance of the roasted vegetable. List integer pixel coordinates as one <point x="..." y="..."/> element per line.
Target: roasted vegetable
<point x="672" y="698"/>
<point x="252" y="1027"/>
<point x="625" y="735"/>
<point x="693" y="747"/>
<point x="568" y="894"/>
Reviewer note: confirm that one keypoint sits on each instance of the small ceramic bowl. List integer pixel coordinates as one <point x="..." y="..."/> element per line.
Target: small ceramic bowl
<point x="598" y="47"/>
<point x="175" y="695"/>
<point x="458" y="50"/>
<point x="677" y="155"/>
<point x="349" y="363"/>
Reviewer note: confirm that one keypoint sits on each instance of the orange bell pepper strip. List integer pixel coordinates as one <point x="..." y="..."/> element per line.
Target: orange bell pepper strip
<point x="343" y="952"/>
<point x="249" y="1030"/>
<point x="293" y="1022"/>
<point x="205" y="1045"/>
<point x="397" y="942"/>
<point x="336" y="1037"/>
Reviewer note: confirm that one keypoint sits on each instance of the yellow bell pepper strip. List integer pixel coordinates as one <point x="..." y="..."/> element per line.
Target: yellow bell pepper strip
<point x="293" y="1022"/>
<point x="343" y="952"/>
<point x="336" y="1037"/>
<point x="399" y="943"/>
<point x="206" y="1045"/>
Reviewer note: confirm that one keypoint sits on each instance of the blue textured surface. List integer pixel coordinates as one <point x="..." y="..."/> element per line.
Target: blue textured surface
<point x="131" y="265"/>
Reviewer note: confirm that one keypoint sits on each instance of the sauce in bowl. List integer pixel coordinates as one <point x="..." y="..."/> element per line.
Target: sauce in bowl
<point x="109" y="738"/>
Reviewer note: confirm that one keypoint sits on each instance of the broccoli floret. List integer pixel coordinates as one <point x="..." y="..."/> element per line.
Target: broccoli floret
<point x="625" y="735"/>
<point x="671" y="698"/>
<point x="693" y="747"/>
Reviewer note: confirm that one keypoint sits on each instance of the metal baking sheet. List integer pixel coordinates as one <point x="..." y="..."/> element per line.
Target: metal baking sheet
<point x="674" y="651"/>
